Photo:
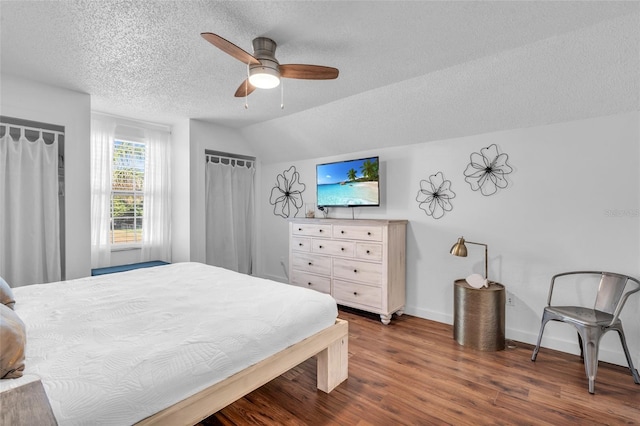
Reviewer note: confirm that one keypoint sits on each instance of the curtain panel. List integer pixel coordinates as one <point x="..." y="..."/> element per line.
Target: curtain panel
<point x="229" y="216"/>
<point x="29" y="224"/>
<point x="102" y="137"/>
<point x="156" y="226"/>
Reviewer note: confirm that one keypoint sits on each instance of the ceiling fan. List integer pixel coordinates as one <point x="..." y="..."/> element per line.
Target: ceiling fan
<point x="264" y="69"/>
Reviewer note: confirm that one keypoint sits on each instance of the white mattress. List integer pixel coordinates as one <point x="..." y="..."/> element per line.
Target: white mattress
<point x="114" y="349"/>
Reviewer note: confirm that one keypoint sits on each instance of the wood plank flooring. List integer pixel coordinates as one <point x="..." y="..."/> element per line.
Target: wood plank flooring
<point x="412" y="372"/>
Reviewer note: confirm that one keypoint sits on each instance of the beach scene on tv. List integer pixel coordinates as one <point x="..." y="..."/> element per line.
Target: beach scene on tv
<point x="348" y="183"/>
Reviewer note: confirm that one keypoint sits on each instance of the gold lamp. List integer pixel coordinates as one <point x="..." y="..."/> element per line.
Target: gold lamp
<point x="459" y="249"/>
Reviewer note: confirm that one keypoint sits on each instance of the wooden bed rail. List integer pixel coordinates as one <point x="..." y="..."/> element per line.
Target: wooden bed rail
<point x="330" y="345"/>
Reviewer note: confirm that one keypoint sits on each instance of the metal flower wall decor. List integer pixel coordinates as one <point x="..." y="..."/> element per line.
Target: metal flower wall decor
<point x="487" y="170"/>
<point x="286" y="196"/>
<point x="434" y="196"/>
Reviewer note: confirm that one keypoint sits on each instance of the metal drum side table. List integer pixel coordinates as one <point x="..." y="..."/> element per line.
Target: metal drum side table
<point x="478" y="316"/>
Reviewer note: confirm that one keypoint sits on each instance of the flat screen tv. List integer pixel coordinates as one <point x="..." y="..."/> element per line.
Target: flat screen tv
<point x="351" y="183"/>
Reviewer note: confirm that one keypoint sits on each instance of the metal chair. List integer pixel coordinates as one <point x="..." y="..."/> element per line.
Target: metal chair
<point x="593" y="323"/>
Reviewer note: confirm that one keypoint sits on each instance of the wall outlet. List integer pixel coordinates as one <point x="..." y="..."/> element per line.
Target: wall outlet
<point x="511" y="300"/>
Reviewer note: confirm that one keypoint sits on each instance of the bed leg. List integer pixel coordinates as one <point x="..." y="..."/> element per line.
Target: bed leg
<point x="333" y="364"/>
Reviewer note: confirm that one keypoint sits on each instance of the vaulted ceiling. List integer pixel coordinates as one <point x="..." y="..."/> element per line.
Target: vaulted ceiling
<point x="146" y="59"/>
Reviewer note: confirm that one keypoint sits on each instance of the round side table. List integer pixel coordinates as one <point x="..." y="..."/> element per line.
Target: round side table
<point x="478" y="316"/>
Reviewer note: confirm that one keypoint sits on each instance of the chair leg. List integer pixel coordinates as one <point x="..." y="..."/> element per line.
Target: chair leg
<point x="545" y="319"/>
<point x="591" y="340"/>
<point x="581" y="347"/>
<point x="623" y="340"/>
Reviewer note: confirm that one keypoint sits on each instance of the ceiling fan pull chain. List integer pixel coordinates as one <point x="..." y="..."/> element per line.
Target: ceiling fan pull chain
<point x="281" y="94"/>
<point x="246" y="89"/>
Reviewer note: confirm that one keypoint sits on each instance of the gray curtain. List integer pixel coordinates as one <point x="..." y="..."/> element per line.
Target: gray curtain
<point x="229" y="216"/>
<point x="29" y="214"/>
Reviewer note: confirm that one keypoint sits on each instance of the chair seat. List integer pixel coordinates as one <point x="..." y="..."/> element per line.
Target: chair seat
<point x="581" y="315"/>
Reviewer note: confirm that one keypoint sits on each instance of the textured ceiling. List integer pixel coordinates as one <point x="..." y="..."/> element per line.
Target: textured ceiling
<point x="146" y="59"/>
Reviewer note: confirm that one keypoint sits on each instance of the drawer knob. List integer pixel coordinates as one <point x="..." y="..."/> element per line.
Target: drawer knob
<point x="299" y="229"/>
<point x="308" y="283"/>
<point x="320" y="231"/>
<point x="368" y="252"/>
<point x="310" y="263"/>
<point x="319" y="246"/>
<point x="342" y="248"/>
<point x="342" y="232"/>
<point x="300" y="244"/>
<point x="355" y="293"/>
<point x="368" y="233"/>
<point x="355" y="271"/>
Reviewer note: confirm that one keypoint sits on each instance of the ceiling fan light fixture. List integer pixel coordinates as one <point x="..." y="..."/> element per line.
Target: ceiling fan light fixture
<point x="264" y="77"/>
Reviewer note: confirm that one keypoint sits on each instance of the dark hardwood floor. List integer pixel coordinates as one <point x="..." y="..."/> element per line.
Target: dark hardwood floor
<point x="413" y="372"/>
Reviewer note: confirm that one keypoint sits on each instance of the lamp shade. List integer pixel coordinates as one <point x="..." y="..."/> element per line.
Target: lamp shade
<point x="459" y="249"/>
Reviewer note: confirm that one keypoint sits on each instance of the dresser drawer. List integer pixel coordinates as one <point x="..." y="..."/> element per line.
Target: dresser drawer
<point x="315" y="282"/>
<point x="311" y="263"/>
<point x="301" y="244"/>
<point x="334" y="247"/>
<point x="312" y="230"/>
<point x="369" y="251"/>
<point x="355" y="270"/>
<point x="367" y="233"/>
<point x="350" y="293"/>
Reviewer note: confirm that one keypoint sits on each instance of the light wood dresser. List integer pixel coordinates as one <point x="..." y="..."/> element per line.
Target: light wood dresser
<point x="361" y="262"/>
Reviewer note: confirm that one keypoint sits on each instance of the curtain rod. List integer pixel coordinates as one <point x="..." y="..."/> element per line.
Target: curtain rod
<point x="30" y="123"/>
<point x="35" y="129"/>
<point x="232" y="161"/>
<point x="229" y="155"/>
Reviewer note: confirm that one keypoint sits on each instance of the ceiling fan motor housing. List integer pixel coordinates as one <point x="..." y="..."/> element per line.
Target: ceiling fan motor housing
<point x="264" y="50"/>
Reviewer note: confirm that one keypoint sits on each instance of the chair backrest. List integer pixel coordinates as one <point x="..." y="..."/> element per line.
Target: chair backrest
<point x="610" y="290"/>
<point x="611" y="295"/>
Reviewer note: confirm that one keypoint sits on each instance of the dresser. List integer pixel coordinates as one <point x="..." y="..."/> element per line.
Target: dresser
<point x="361" y="263"/>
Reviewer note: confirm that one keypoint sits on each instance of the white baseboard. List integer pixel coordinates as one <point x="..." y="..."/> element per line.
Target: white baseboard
<point x="428" y="314"/>
<point x="548" y="341"/>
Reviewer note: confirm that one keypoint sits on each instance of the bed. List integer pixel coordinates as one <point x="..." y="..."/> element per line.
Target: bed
<point x="171" y="344"/>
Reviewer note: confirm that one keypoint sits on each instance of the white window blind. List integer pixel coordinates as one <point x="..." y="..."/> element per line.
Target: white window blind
<point x="127" y="199"/>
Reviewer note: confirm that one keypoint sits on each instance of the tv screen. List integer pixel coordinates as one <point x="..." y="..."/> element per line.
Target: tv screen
<point x="352" y="183"/>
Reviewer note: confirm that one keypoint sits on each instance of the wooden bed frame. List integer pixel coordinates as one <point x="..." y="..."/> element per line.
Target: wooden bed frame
<point x="27" y="404"/>
<point x="330" y="345"/>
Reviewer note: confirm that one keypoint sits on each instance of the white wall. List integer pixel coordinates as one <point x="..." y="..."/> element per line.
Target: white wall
<point x="203" y="136"/>
<point x="29" y="100"/>
<point x="572" y="204"/>
<point x="180" y="190"/>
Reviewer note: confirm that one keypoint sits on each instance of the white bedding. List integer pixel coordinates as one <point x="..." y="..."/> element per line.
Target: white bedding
<point x="114" y="349"/>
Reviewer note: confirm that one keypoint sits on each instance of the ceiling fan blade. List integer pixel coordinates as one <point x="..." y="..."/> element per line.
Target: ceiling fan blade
<point x="227" y="47"/>
<point x="308" y="72"/>
<point x="245" y="89"/>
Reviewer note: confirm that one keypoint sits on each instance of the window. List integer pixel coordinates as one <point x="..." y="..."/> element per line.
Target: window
<point x="130" y="190"/>
<point x="127" y="198"/>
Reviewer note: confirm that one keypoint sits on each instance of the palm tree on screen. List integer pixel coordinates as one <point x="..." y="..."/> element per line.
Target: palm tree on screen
<point x="370" y="169"/>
